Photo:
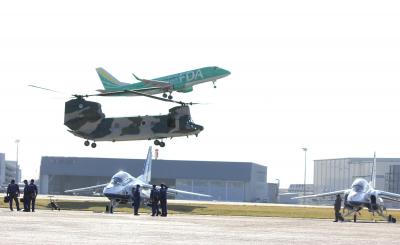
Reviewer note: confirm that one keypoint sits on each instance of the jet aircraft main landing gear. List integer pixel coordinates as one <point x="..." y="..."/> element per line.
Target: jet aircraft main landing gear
<point x="391" y="219"/>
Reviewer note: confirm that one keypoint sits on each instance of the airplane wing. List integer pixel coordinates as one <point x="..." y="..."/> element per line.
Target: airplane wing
<point x="119" y="92"/>
<point x="389" y="195"/>
<point x="175" y="191"/>
<point x="160" y="84"/>
<point x="333" y="193"/>
<point x="86" y="188"/>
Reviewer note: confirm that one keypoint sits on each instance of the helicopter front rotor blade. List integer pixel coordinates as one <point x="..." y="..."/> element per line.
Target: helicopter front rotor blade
<point x="34" y="86"/>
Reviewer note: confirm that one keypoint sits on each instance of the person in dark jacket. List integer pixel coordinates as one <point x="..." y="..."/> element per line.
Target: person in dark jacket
<point x="13" y="194"/>
<point x="26" y="197"/>
<point x="337" y="206"/>
<point x="136" y="200"/>
<point x="163" y="200"/>
<point x="155" y="199"/>
<point x="32" y="191"/>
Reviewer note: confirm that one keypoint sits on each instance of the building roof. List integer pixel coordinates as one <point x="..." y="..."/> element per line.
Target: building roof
<point x="174" y="169"/>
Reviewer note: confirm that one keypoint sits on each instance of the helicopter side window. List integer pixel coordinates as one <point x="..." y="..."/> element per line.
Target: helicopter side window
<point x="171" y="122"/>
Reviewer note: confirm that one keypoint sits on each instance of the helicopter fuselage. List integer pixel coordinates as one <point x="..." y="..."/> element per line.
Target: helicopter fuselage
<point x="86" y="120"/>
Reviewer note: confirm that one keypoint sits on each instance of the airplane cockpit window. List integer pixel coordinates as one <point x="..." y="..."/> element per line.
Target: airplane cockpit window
<point x="116" y="180"/>
<point x="120" y="178"/>
<point x="360" y="185"/>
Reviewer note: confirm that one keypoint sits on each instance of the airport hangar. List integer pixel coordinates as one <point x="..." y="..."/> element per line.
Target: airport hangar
<point x="339" y="174"/>
<point x="225" y="181"/>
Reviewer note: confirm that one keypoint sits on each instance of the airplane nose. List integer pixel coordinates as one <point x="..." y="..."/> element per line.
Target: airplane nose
<point x="227" y="72"/>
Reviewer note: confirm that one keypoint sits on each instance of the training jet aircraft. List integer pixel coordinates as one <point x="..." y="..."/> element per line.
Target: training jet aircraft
<point x="119" y="190"/>
<point x="363" y="194"/>
<point x="181" y="82"/>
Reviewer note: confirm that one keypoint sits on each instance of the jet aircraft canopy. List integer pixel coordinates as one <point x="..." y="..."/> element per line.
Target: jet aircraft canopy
<point x="360" y="185"/>
<point x="121" y="178"/>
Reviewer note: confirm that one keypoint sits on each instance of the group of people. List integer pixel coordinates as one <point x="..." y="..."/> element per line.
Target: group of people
<point x="29" y="198"/>
<point x="158" y="198"/>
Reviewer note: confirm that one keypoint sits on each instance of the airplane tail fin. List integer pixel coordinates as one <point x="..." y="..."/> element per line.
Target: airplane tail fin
<point x="373" y="173"/>
<point x="146" y="176"/>
<point x="109" y="82"/>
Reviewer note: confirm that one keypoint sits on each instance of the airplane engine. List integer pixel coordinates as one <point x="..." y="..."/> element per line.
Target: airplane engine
<point x="79" y="112"/>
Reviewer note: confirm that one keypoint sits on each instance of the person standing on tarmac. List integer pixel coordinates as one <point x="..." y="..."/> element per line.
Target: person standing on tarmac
<point x="13" y="194"/>
<point x="337" y="206"/>
<point x="32" y="191"/>
<point x="155" y="198"/>
<point x="26" y="197"/>
<point x="136" y="200"/>
<point x="163" y="200"/>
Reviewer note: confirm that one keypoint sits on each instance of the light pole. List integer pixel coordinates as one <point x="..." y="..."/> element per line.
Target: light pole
<point x="17" y="142"/>
<point x="277" y="190"/>
<point x="305" y="170"/>
<point x="16" y="171"/>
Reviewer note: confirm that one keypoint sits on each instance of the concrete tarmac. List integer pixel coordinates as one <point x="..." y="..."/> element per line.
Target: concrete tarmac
<point x="77" y="227"/>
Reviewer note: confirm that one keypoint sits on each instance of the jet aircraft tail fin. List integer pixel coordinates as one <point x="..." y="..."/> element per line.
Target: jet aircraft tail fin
<point x="146" y="176"/>
<point x="373" y="173"/>
<point x="108" y="80"/>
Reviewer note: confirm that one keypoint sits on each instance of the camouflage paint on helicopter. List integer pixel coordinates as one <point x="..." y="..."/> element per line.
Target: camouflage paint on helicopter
<point x="86" y="120"/>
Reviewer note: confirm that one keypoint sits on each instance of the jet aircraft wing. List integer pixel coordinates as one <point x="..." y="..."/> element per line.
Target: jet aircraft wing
<point x="175" y="191"/>
<point x="118" y="92"/>
<point x="389" y="195"/>
<point x="87" y="188"/>
<point x="333" y="193"/>
<point x="155" y="83"/>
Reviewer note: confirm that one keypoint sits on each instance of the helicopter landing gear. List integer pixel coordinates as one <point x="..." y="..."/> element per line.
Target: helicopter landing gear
<point x="160" y="143"/>
<point x="87" y="143"/>
<point x="164" y="95"/>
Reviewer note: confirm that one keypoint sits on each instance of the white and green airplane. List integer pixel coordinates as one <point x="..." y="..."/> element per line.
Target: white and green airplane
<point x="180" y="82"/>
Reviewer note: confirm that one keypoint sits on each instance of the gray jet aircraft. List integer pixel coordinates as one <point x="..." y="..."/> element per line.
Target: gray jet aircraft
<point x="363" y="195"/>
<point x="119" y="189"/>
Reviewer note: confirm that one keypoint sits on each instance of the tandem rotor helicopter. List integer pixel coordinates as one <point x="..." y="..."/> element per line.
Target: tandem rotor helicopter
<point x="86" y="120"/>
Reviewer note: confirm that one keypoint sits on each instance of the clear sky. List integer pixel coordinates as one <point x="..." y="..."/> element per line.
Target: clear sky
<point x="318" y="74"/>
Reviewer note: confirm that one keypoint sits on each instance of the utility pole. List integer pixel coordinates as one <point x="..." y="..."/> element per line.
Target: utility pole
<point x="305" y="171"/>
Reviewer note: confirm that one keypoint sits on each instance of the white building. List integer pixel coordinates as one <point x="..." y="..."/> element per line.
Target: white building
<point x="8" y="170"/>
